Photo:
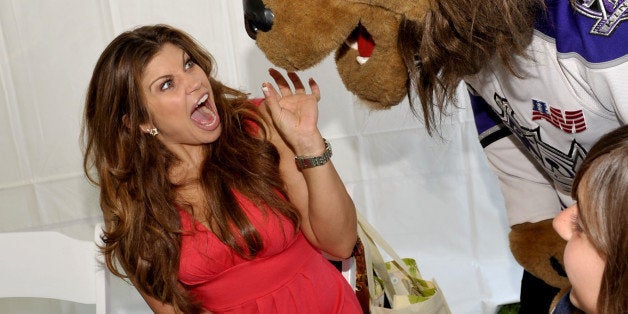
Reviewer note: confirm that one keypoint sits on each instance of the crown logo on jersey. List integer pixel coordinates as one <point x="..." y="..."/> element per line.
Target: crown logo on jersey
<point x="568" y="121"/>
<point x="561" y="166"/>
<point x="608" y="13"/>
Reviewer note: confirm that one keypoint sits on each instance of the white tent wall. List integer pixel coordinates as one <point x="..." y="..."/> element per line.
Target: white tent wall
<point x="432" y="198"/>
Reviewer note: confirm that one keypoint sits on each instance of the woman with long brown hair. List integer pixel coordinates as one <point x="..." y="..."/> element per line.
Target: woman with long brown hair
<point x="206" y="206"/>
<point x="596" y="230"/>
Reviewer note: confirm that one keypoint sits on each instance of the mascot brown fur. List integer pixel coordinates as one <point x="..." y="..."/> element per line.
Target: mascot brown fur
<point x="422" y="48"/>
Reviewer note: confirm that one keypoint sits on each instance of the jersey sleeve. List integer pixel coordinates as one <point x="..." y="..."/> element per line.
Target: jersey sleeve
<point x="529" y="194"/>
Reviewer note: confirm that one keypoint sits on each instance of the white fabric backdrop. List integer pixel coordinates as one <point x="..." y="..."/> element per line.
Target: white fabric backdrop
<point x="432" y="199"/>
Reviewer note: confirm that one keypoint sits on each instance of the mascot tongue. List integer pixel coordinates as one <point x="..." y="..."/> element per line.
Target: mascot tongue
<point x="365" y="43"/>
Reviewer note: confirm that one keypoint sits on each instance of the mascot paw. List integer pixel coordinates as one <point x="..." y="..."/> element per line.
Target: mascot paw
<point x="539" y="250"/>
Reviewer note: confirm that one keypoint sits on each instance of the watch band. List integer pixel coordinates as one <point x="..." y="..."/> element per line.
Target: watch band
<point x="305" y="162"/>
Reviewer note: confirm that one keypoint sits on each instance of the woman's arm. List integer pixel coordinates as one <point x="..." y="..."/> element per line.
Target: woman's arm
<point x="329" y="219"/>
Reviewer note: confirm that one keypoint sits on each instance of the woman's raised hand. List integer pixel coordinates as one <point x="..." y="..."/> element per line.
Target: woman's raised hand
<point x="295" y="114"/>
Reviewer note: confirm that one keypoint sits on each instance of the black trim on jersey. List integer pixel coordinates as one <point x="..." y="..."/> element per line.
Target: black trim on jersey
<point x="494" y="136"/>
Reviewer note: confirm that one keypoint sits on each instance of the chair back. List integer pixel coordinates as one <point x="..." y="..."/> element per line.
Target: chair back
<point x="46" y="264"/>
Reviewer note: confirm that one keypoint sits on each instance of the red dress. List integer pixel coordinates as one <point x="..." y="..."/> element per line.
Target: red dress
<point x="287" y="276"/>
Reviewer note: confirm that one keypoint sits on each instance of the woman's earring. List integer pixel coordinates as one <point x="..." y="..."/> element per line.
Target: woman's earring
<point x="153" y="131"/>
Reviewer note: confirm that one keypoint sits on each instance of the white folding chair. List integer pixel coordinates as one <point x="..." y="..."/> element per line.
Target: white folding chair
<point x="45" y="264"/>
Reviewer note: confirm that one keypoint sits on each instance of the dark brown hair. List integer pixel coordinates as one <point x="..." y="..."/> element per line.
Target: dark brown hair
<point x="603" y="210"/>
<point x="137" y="198"/>
<point x="457" y="38"/>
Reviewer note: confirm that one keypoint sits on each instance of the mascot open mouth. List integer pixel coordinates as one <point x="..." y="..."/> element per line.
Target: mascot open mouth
<point x="362" y="41"/>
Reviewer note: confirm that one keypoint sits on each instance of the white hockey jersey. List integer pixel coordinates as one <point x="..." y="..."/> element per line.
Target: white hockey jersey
<point x="573" y="88"/>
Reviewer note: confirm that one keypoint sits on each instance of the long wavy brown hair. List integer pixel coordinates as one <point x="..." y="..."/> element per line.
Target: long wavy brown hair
<point x="137" y="198"/>
<point x="603" y="181"/>
<point x="457" y="38"/>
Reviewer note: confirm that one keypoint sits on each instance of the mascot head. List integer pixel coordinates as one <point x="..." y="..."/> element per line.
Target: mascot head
<point x="387" y="49"/>
<point x="363" y="34"/>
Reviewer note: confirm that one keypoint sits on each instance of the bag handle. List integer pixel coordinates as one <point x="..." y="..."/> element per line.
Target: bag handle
<point x="377" y="238"/>
<point x="375" y="262"/>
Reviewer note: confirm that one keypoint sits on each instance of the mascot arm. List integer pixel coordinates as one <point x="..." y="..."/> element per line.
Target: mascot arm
<point x="530" y="198"/>
<point x="529" y="195"/>
<point x="531" y="203"/>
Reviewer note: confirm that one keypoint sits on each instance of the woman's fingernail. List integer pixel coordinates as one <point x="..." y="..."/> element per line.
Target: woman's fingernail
<point x="265" y="88"/>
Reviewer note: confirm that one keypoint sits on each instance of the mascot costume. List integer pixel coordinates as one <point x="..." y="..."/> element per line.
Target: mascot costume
<point x="546" y="79"/>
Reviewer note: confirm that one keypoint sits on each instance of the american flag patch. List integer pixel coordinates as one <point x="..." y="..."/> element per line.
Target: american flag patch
<point x="568" y="121"/>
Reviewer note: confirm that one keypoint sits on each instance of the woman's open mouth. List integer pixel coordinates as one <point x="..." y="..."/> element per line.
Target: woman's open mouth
<point x="204" y="115"/>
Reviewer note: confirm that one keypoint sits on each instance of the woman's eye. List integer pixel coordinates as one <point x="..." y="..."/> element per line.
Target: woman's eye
<point x="166" y="85"/>
<point x="189" y="64"/>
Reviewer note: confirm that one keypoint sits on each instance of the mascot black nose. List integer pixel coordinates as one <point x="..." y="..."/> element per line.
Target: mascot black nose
<point x="257" y="17"/>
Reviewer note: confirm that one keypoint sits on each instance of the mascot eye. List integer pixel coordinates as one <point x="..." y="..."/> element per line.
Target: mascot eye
<point x="257" y="17"/>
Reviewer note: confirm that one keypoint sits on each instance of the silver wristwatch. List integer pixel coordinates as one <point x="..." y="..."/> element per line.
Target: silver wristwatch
<point x="304" y="162"/>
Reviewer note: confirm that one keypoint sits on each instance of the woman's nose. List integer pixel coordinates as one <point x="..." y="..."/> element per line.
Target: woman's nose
<point x="193" y="84"/>
<point x="563" y="222"/>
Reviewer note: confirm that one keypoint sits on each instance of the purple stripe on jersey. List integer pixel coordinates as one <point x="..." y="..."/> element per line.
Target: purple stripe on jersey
<point x="485" y="117"/>
<point x="597" y="30"/>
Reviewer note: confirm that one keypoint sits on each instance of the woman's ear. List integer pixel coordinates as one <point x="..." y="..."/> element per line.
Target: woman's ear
<point x="125" y="121"/>
<point x="146" y="127"/>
